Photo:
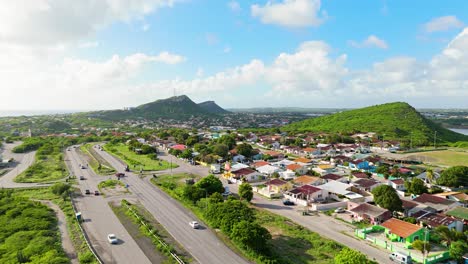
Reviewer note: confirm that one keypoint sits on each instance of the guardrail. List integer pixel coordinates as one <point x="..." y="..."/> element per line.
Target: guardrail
<point x="86" y="235"/>
<point x="176" y="258"/>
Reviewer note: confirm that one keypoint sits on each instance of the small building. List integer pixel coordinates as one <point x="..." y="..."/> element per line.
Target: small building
<point x="305" y="194"/>
<point x="323" y="169"/>
<point x="433" y="220"/>
<point x="247" y="175"/>
<point x="367" y="212"/>
<point x="334" y="177"/>
<point x="307" y="180"/>
<point x="297" y="168"/>
<point x="268" y="169"/>
<point x="366" y="184"/>
<point x="397" y="184"/>
<point x="278" y="186"/>
<point x="303" y="161"/>
<point x="400" y="231"/>
<point x="436" y="202"/>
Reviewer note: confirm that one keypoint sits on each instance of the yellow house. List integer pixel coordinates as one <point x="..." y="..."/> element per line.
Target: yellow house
<point x="278" y="186"/>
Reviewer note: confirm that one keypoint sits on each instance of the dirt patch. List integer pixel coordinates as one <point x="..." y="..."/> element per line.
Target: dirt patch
<point x="117" y="190"/>
<point x="142" y="241"/>
<point x="425" y="159"/>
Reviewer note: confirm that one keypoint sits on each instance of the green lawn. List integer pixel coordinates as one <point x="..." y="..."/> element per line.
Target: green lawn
<point x="444" y="157"/>
<point x="296" y="244"/>
<point x="45" y="168"/>
<point x="78" y="240"/>
<point x="99" y="165"/>
<point x="136" y="161"/>
<point x="459" y="212"/>
<point x="176" y="180"/>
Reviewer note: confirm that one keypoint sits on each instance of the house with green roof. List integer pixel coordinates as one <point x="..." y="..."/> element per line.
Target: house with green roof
<point x="460" y="213"/>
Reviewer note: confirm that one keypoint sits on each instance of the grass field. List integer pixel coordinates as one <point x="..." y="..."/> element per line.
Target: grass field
<point x="295" y="243"/>
<point x="99" y="165"/>
<point x="444" y="157"/>
<point x="177" y="179"/>
<point x="45" y="169"/>
<point x="78" y="240"/>
<point x="137" y="161"/>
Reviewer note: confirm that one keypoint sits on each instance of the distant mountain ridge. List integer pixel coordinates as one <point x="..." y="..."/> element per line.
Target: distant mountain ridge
<point x="396" y="120"/>
<point x="212" y="107"/>
<point x="176" y="107"/>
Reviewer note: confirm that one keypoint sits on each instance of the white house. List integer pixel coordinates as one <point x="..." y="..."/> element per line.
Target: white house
<point x="238" y="166"/>
<point x="268" y="169"/>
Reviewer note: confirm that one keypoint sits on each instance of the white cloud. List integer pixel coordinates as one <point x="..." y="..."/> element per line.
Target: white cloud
<point x="89" y="44"/>
<point x="443" y="23"/>
<point x="51" y="22"/>
<point x="145" y="27"/>
<point x="200" y="72"/>
<point x="369" y="42"/>
<point x="289" y="13"/>
<point x="234" y="6"/>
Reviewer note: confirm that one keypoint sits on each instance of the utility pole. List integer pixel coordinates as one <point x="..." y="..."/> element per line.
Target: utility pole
<point x="411" y="140"/>
<point x="435" y="137"/>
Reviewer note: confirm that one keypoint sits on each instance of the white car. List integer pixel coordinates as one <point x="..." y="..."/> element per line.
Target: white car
<point x="112" y="239"/>
<point x="340" y="210"/>
<point x="194" y="224"/>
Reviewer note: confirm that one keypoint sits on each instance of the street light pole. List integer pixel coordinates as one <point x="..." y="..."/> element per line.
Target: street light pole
<point x="435" y="136"/>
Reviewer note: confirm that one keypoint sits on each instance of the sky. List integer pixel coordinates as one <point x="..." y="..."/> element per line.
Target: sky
<point x="109" y="54"/>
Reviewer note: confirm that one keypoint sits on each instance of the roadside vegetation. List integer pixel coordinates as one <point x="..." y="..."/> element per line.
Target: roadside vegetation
<point x="59" y="195"/>
<point x="147" y="226"/>
<point x="259" y="235"/>
<point x="99" y="165"/>
<point x="28" y="232"/>
<point x="145" y="162"/>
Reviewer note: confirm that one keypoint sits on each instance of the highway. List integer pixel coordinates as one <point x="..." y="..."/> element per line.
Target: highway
<point x="100" y="220"/>
<point x="202" y="244"/>
<point x="23" y="160"/>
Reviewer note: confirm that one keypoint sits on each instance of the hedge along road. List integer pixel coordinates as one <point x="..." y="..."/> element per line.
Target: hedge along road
<point x="202" y="244"/>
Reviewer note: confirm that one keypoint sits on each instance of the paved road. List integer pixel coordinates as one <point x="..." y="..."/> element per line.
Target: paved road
<point x="23" y="161"/>
<point x="100" y="220"/>
<point x="202" y="244"/>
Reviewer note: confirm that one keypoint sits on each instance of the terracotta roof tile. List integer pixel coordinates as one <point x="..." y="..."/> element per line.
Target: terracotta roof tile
<point x="400" y="228"/>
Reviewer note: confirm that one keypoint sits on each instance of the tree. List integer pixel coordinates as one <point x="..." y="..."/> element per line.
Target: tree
<point x="245" y="191"/>
<point x="210" y="184"/>
<point x="385" y="196"/>
<point x="454" y="177"/>
<point x="221" y="150"/>
<point x="423" y="246"/>
<point x="349" y="256"/>
<point x="227" y="140"/>
<point x="458" y="249"/>
<point x="250" y="235"/>
<point x="147" y="149"/>
<point x="446" y="234"/>
<point x="416" y="186"/>
<point x="430" y="175"/>
<point x="382" y="169"/>
<point x="187" y="154"/>
<point x="60" y="188"/>
<point x="244" y="150"/>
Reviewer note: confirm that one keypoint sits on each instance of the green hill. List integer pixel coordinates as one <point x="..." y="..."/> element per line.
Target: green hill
<point x="212" y="107"/>
<point x="177" y="107"/>
<point x="394" y="120"/>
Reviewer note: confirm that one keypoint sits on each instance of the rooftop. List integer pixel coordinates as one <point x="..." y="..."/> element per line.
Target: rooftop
<point x="428" y="198"/>
<point x="293" y="167"/>
<point x="459" y="212"/>
<point x="302" y="160"/>
<point x="331" y="176"/>
<point x="433" y="219"/>
<point x="305" y="179"/>
<point x="276" y="182"/>
<point x="400" y="228"/>
<point x="368" y="209"/>
<point x="366" y="182"/>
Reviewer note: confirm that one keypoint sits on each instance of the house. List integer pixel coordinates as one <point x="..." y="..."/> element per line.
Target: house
<point x="246" y="175"/>
<point x="334" y="177"/>
<point x="408" y="207"/>
<point x="367" y="212"/>
<point x="238" y="166"/>
<point x="459" y="213"/>
<point x="323" y="169"/>
<point x="359" y="165"/>
<point x="438" y="203"/>
<point x="259" y="164"/>
<point x="282" y="163"/>
<point x="268" y="169"/>
<point x="180" y="147"/>
<point x="433" y="220"/>
<point x="238" y="158"/>
<point x="400" y="231"/>
<point x="287" y="175"/>
<point x="360" y="175"/>
<point x="278" y="186"/>
<point x="302" y="161"/>
<point x="455" y="196"/>
<point x="297" y="168"/>
<point x="397" y="184"/>
<point x="366" y="184"/>
<point x="274" y="154"/>
<point x="307" y="180"/>
<point x="338" y="190"/>
<point x="305" y="194"/>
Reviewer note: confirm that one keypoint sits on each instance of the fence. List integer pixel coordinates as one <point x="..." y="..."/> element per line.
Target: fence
<point x="85" y="234"/>
<point x="176" y="258"/>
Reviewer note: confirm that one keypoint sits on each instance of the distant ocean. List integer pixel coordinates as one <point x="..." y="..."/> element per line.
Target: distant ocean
<point x="460" y="130"/>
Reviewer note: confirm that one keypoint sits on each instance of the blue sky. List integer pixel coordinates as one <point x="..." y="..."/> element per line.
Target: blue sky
<point x="306" y="53"/>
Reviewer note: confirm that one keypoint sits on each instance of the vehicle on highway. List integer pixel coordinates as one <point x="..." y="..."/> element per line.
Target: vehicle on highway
<point x="339" y="210"/>
<point x="120" y="174"/>
<point x="401" y="258"/>
<point x="82" y="178"/>
<point x="87" y="191"/>
<point x="288" y="202"/>
<point x="68" y="149"/>
<point x="112" y="239"/>
<point x="194" y="224"/>
<point x="96" y="192"/>
<point x="83" y="167"/>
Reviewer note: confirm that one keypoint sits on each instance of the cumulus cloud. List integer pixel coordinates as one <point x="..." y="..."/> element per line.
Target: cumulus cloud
<point x="443" y="23"/>
<point x="50" y="22"/>
<point x="369" y="42"/>
<point x="289" y="13"/>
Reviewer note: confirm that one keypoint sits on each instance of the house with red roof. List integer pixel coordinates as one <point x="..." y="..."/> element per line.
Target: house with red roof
<point x="367" y="212"/>
<point x="301" y="169"/>
<point x="305" y="194"/>
<point x="246" y="175"/>
<point x="440" y="204"/>
<point x="400" y="231"/>
<point x="180" y="147"/>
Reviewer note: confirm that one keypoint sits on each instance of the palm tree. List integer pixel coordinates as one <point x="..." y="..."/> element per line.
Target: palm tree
<point x="446" y="234"/>
<point x="429" y="175"/>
